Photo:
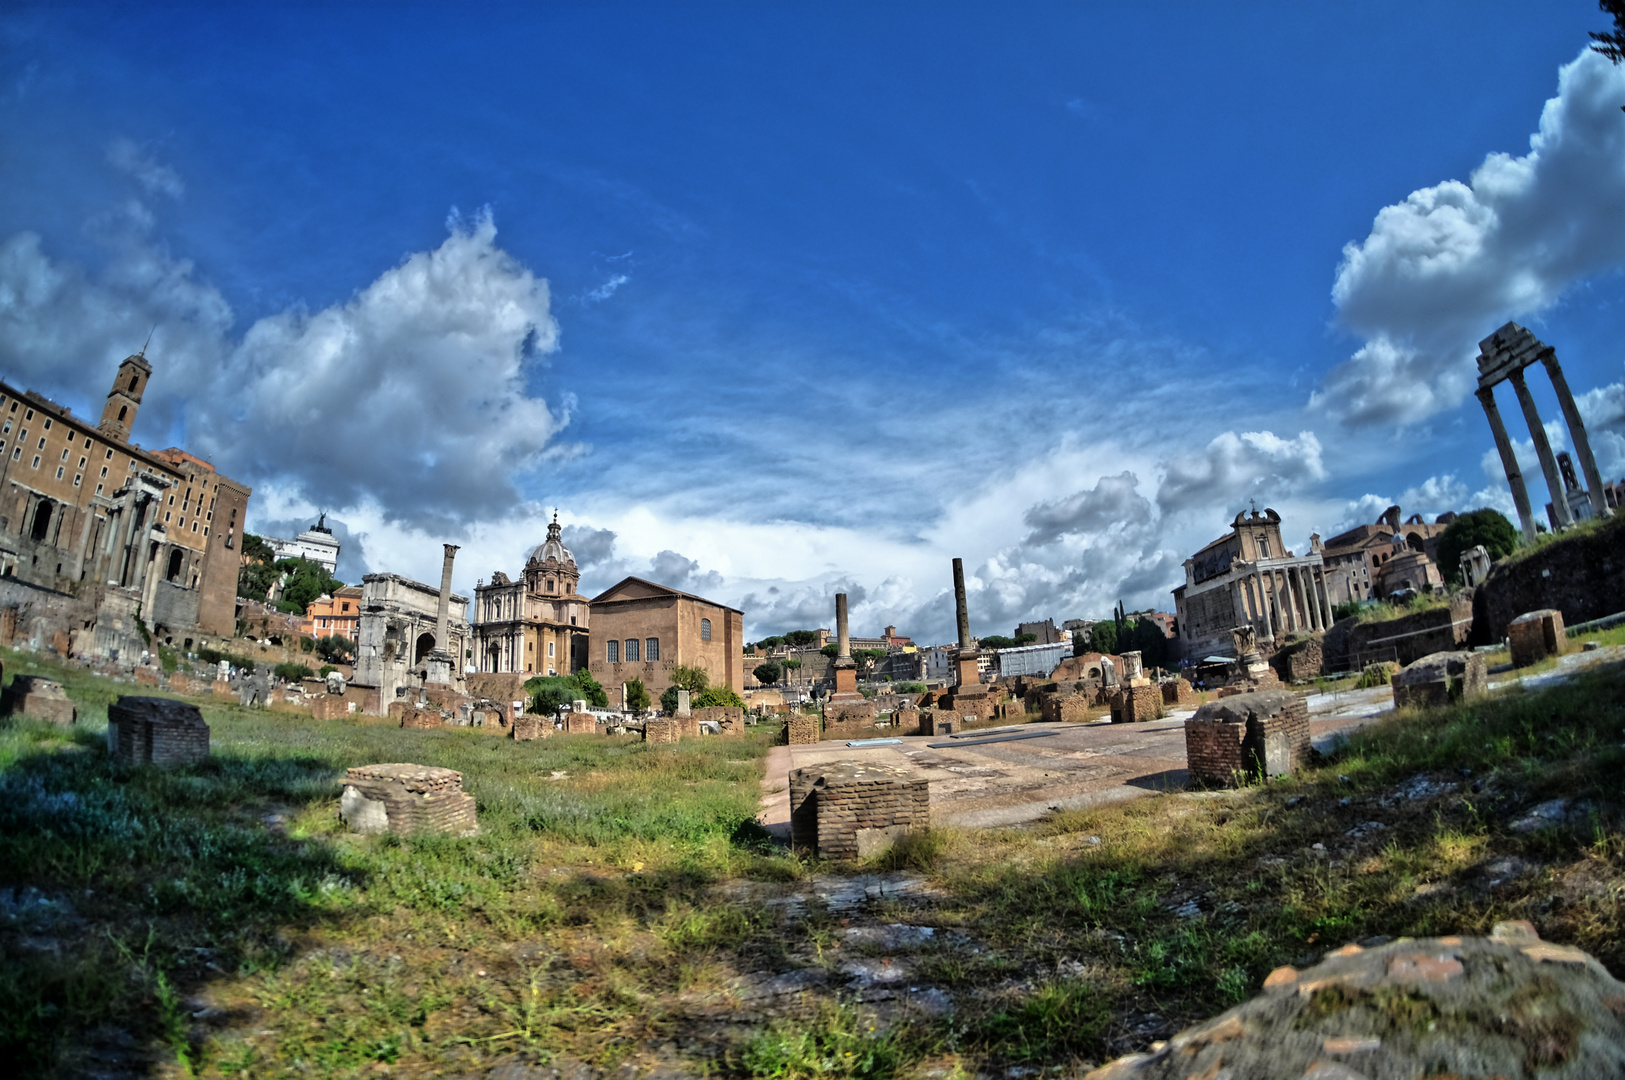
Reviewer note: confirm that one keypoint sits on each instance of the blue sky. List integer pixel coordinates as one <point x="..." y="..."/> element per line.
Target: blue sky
<point x="776" y="300"/>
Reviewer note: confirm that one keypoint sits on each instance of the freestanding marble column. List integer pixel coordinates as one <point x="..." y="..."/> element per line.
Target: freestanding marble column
<point x="443" y="612"/>
<point x="1577" y="433"/>
<point x="1543" y="448"/>
<point x="1509" y="462"/>
<point x="843" y="642"/>
<point x="1264" y="606"/>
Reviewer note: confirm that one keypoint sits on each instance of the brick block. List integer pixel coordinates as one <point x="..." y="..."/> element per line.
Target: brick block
<point x="1535" y="636"/>
<point x="406" y="798"/>
<point x="1178" y="692"/>
<point x="38" y="699"/>
<point x="851" y="809"/>
<point x="528" y="726"/>
<point x="1136" y="704"/>
<point x="1440" y="679"/>
<point x="156" y="731"/>
<point x="581" y="723"/>
<point x="1265" y="733"/>
<point x="803" y="729"/>
<point x="661" y="731"/>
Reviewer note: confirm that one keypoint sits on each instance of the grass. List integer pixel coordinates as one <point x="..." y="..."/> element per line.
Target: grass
<point x="619" y="900"/>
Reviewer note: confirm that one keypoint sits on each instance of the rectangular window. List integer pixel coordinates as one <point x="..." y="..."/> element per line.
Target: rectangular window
<point x="87" y="444"/>
<point x="59" y="470"/>
<point x="22" y="436"/>
<point x="166" y="517"/>
<point x="550" y="650"/>
<point x="41" y="445"/>
<point x="29" y="415"/>
<point x="631" y="650"/>
<point x="82" y="462"/>
<point x="98" y="489"/>
<point x="104" y="471"/>
<point x="651" y="649"/>
<point x="36" y="461"/>
<point x="612" y="651"/>
<point x="47" y="424"/>
<point x="110" y="455"/>
<point x="64" y="455"/>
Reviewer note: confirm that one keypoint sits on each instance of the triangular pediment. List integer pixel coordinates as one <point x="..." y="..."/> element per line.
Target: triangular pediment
<point x="634" y="588"/>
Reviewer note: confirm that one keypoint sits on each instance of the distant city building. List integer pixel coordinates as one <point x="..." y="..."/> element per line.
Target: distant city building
<point x="339" y="614"/>
<point x="538" y="623"/>
<point x="1353" y="558"/>
<point x="641" y="630"/>
<point x="1032" y="659"/>
<point x="315" y="543"/>
<point x="1044" y="633"/>
<point x="1249" y="578"/>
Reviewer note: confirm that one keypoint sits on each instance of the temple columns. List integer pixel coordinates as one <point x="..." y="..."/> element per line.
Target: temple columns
<point x="1543" y="448"/>
<point x="1509" y="462"/>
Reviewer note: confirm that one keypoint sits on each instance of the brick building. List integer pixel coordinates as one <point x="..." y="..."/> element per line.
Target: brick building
<point x="1355" y="558"/>
<point x="339" y="614"/>
<point x="150" y="534"/>
<point x="641" y="630"/>
<point x="538" y="623"/>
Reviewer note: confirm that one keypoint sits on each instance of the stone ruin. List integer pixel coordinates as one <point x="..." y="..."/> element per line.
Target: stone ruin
<point x="802" y="729"/>
<point x="406" y="798"/>
<point x="854" y="809"/>
<point x="1533" y="637"/>
<point x="1246" y="735"/>
<point x="156" y="731"/>
<point x="1504" y="1006"/>
<point x="1136" y="704"/>
<point x="1440" y="679"/>
<point x="38" y="699"/>
<point x="662" y="730"/>
<point x="1475" y="565"/>
<point x="1178" y="691"/>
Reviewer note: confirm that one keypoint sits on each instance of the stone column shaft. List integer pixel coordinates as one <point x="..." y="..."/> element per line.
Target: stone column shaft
<point x="1577" y="433"/>
<point x="443" y="613"/>
<point x="1509" y="462"/>
<point x="842" y="639"/>
<point x="960" y="609"/>
<point x="1264" y="605"/>
<point x="1543" y="448"/>
<point x="1325" y="598"/>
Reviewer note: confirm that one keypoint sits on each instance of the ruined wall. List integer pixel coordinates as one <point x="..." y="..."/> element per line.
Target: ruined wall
<point x="848" y="809"/>
<point x="1244" y="735"/>
<point x="661" y="731"/>
<point x="1411" y="637"/>
<point x="1136" y="705"/>
<point x="156" y="731"/>
<point x="1300" y="661"/>
<point x="1581" y="574"/>
<point x="803" y="729"/>
<point x="1065" y="707"/>
<point x="1178" y="692"/>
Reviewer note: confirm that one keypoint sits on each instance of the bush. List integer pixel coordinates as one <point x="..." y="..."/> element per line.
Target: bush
<point x="214" y="656"/>
<point x="550" y="693"/>
<point x="167" y="657"/>
<point x="717" y="695"/>
<point x="637" y="695"/>
<point x="1487" y="527"/>
<point x="307" y="644"/>
<point x="292" y="672"/>
<point x="335" y="648"/>
<point x="325" y="670"/>
<point x="911" y="688"/>
<point x="767" y="674"/>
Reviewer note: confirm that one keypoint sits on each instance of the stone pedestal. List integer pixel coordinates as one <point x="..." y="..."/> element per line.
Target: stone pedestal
<point x="661" y="731"/>
<point x="1247" y="735"/>
<point x="156" y="731"/>
<point x="406" y="798"/>
<point x="528" y="726"/>
<point x="851" y="809"/>
<point x="38" y="699"/>
<point x="1535" y="636"/>
<point x="1440" y="679"/>
<point x="803" y="729"/>
<point x="1136" y="704"/>
<point x="581" y="723"/>
<point x="966" y="670"/>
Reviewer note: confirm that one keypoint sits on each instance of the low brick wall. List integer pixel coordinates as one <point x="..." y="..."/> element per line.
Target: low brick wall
<point x="146" y="676"/>
<point x="1065" y="708"/>
<point x="859" y="711"/>
<point x="689" y="726"/>
<point x="222" y="688"/>
<point x="1136" y="704"/>
<point x="803" y="729"/>
<point x="38" y="699"/>
<point x="661" y="731"/>
<point x="936" y="722"/>
<point x="405" y="798"/>
<point x="410" y="716"/>
<point x="529" y="726"/>
<point x="1441" y="679"/>
<point x="156" y="731"/>
<point x="1178" y="692"/>
<point x="1535" y="636"/>
<point x="185" y="684"/>
<point x="1264" y="733"/>
<point x="580" y="723"/>
<point x="850" y="809"/>
<point x="1300" y="661"/>
<point x="729" y="718"/>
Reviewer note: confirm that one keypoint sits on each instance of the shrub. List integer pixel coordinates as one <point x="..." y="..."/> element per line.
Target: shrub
<point x="716" y="695"/>
<point x="292" y="672"/>
<point x="1487" y="527"/>
<point x="637" y="695"/>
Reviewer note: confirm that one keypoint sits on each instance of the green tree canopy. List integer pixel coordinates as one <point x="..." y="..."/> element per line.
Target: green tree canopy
<point x="718" y="695"/>
<point x="997" y="641"/>
<point x="637" y="695"/>
<point x="550" y="693"/>
<point x="1103" y="638"/>
<point x="767" y="674"/>
<point x="801" y="639"/>
<point x="832" y="650"/>
<point x="770" y="643"/>
<point x="1487" y="527"/>
<point x="335" y="648"/>
<point x="692" y="679"/>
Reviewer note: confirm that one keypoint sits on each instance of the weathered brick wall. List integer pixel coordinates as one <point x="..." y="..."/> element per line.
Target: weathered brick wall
<point x="661" y="731"/>
<point x="1065" y="706"/>
<point x="1534" y="636"/>
<point x="861" y="711"/>
<point x="1300" y="661"/>
<point x="222" y="688"/>
<point x="803" y="729"/>
<point x="1178" y="692"/>
<point x="414" y="798"/>
<point x="146" y="676"/>
<point x="38" y="699"/>
<point x="1010" y="710"/>
<point x="156" y="731"/>
<point x="1581" y="575"/>
<point x="1136" y="704"/>
<point x="528" y="726"/>
<point x="1409" y="638"/>
<point x="730" y="718"/>
<point x="689" y="726"/>
<point x="580" y="723"/>
<point x="936" y="722"/>
<point x="411" y="716"/>
<point x="1261" y="733"/>
<point x="849" y="809"/>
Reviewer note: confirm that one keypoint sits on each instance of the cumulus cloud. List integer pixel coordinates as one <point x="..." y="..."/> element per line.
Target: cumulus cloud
<point x="1441" y="270"/>
<point x="414" y="392"/>
<point x="1234" y="466"/>
<point x="138" y="163"/>
<point x="1114" y="502"/>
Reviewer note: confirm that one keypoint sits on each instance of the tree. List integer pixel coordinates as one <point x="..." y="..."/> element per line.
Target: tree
<point x="692" y="679"/>
<point x="718" y="695"/>
<point x="997" y="641"/>
<point x="1611" y="43"/>
<point x="767" y="674"/>
<point x="770" y="643"/>
<point x="335" y="648"/>
<point x="832" y="650"/>
<point x="550" y="693"/>
<point x="258" y="572"/>
<point x="1103" y="638"/>
<point x="305" y="581"/>
<point x="1487" y="527"/>
<point x="800" y="639"/>
<point x="637" y="695"/>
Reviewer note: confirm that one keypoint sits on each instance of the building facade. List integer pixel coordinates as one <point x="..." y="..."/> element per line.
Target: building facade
<point x="315" y="543"/>
<point x="536" y="624"/>
<point x="641" y="630"/>
<point x="396" y="634"/>
<point x="1249" y="578"/>
<point x="339" y="614"/>
<point x="1032" y="659"/>
<point x="156" y="533"/>
<point x="1354" y="559"/>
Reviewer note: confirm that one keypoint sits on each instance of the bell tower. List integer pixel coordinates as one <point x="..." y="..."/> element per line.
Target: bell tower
<point x="118" y="415"/>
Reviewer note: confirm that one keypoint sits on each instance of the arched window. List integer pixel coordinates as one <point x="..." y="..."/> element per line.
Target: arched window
<point x="705" y="629"/>
<point x="134" y="379"/>
<point x="122" y="410"/>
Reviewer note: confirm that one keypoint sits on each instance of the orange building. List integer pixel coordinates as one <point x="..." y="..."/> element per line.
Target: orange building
<point x="337" y="614"/>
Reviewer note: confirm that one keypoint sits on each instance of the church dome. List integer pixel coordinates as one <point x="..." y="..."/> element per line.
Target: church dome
<point x="553" y="547"/>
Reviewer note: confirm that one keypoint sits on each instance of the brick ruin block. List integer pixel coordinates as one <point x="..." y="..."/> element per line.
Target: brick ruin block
<point x="860" y="711"/>
<point x="853" y="809"/>
<point x="803" y="729"/>
<point x="689" y="725"/>
<point x="1441" y="678"/>
<point x="935" y="722"/>
<point x="38" y="699"/>
<point x="1065" y="707"/>
<point x="222" y="688"/>
<point x="581" y="723"/>
<point x="1300" y="661"/>
<point x="730" y="719"/>
<point x="1264" y="733"/>
<point x="156" y="731"/>
<point x="1178" y="692"/>
<point x="410" y="716"/>
<point x="1015" y="709"/>
<point x="406" y="798"/>
<point x="1136" y="704"/>
<point x="661" y="731"/>
<point x="528" y="726"/>
<point x="8" y="625"/>
<point x="145" y="676"/>
<point x="1535" y="636"/>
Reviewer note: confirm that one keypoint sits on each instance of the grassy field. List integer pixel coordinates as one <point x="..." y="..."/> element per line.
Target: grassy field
<point x="620" y="912"/>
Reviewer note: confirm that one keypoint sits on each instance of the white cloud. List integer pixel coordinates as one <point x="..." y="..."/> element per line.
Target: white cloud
<point x="1233" y="467"/>
<point x="606" y="290"/>
<point x="1446" y="267"/>
<point x="138" y="163"/>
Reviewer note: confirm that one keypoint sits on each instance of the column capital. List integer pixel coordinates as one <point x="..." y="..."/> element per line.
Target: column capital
<point x="1486" y="396"/>
<point x="1515" y="377"/>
